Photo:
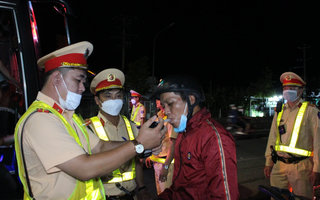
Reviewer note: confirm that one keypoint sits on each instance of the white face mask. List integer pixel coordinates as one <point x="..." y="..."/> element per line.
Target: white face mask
<point x="290" y="95"/>
<point x="133" y="101"/>
<point x="112" y="107"/>
<point x="72" y="101"/>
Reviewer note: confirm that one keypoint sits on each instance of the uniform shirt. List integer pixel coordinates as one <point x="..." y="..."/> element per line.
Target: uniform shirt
<point x="115" y="133"/>
<point x="170" y="134"/>
<point x="205" y="165"/>
<point x="309" y="135"/>
<point x="46" y="144"/>
<point x="141" y="115"/>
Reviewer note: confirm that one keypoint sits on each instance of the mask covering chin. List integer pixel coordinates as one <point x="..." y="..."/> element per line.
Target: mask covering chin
<point x="183" y="122"/>
<point x="290" y="95"/>
<point x="72" y="100"/>
<point x="112" y="107"/>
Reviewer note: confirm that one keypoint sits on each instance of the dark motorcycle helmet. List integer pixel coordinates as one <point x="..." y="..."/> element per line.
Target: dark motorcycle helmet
<point x="181" y="83"/>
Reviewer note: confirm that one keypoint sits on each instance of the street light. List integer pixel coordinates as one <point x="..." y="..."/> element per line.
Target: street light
<point x="154" y="46"/>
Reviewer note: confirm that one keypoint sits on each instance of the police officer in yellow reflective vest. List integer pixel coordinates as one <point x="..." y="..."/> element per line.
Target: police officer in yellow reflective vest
<point x="58" y="157"/>
<point x="107" y="86"/>
<point x="163" y="163"/>
<point x="292" y="152"/>
<point x="138" y="112"/>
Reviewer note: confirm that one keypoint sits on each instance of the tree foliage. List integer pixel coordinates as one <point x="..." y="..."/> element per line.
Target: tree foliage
<point x="263" y="87"/>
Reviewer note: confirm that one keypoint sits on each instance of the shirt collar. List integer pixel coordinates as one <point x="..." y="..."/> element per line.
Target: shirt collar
<point x="104" y="120"/>
<point x="297" y="105"/>
<point x="55" y="105"/>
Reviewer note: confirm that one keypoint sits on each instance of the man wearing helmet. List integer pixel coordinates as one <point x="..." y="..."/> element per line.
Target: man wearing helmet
<point x="205" y="153"/>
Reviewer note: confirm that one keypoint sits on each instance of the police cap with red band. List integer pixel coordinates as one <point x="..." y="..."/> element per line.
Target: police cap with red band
<point x="291" y="79"/>
<point x="134" y="93"/>
<point x="107" y="79"/>
<point x="74" y="56"/>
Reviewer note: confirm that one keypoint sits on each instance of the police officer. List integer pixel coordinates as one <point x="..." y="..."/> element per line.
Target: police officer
<point x="58" y="157"/>
<point x="107" y="86"/>
<point x="163" y="163"/>
<point x="292" y="153"/>
<point x="138" y="113"/>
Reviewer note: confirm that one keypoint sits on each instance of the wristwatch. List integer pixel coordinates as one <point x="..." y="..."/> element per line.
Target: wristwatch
<point x="138" y="148"/>
<point x="165" y="166"/>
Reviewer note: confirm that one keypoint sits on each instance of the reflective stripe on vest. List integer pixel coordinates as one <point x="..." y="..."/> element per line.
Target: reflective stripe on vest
<point x="159" y="160"/>
<point x="117" y="175"/>
<point x="98" y="128"/>
<point x="295" y="134"/>
<point x="133" y="115"/>
<point x="84" y="190"/>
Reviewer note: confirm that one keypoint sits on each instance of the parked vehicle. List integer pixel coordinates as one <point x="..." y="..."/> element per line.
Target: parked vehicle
<point x="28" y="31"/>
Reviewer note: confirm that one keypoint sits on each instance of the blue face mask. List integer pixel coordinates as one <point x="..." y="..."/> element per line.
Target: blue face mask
<point x="183" y="122"/>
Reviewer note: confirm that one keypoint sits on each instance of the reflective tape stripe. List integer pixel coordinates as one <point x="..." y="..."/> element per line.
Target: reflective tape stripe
<point x="100" y="131"/>
<point x="129" y="129"/>
<point x="295" y="134"/>
<point x="294" y="150"/>
<point x="297" y="125"/>
<point x="159" y="160"/>
<point x="223" y="164"/>
<point x="133" y="115"/>
<point x="98" y="128"/>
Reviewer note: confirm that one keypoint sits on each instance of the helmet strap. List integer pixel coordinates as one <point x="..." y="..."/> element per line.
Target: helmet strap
<point x="191" y="107"/>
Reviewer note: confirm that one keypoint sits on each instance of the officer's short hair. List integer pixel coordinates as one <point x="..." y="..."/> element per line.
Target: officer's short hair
<point x="62" y="70"/>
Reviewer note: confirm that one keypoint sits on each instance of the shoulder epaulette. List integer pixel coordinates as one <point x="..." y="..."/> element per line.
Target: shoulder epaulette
<point x="87" y="122"/>
<point x="43" y="110"/>
<point x="313" y="105"/>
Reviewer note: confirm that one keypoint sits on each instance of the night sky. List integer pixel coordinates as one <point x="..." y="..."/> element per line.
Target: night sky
<point x="226" y="42"/>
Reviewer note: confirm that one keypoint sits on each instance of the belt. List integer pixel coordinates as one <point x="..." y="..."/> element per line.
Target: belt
<point x="291" y="160"/>
<point x="121" y="197"/>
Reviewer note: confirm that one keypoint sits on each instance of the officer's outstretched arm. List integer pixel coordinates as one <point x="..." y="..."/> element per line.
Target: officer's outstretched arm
<point x="102" y="161"/>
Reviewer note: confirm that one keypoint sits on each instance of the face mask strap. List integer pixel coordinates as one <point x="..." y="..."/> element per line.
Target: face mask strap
<point x="64" y="82"/>
<point x="57" y="91"/>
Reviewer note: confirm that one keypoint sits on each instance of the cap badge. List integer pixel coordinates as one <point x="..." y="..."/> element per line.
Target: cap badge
<point x="288" y="78"/>
<point x="111" y="77"/>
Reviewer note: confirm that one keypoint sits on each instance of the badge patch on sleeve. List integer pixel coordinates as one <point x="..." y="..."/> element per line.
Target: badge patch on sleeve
<point x="189" y="156"/>
<point x="319" y="115"/>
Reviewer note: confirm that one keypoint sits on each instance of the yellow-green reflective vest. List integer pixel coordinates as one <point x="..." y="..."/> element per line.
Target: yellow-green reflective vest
<point x="295" y="134"/>
<point x="84" y="190"/>
<point x="133" y="115"/>
<point x="116" y="174"/>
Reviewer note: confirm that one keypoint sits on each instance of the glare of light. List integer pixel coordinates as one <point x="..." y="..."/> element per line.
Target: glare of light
<point x="275" y="98"/>
<point x="33" y="23"/>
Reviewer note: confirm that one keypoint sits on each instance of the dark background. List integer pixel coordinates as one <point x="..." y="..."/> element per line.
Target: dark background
<point x="225" y="42"/>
